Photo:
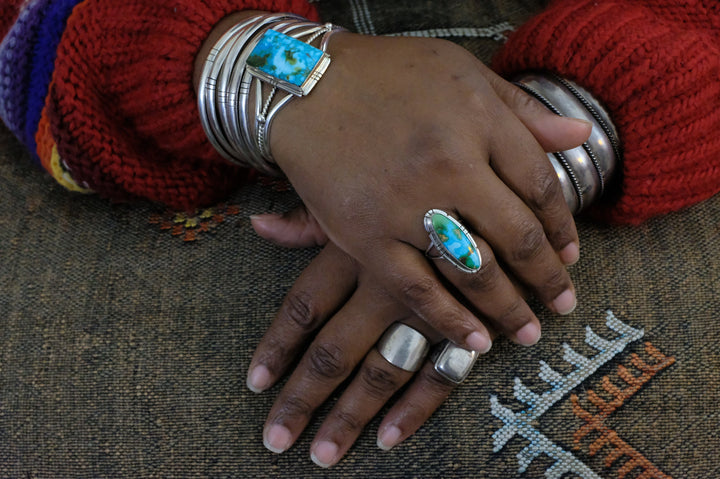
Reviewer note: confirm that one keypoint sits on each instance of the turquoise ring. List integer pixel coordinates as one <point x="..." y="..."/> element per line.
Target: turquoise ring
<point x="452" y="241"/>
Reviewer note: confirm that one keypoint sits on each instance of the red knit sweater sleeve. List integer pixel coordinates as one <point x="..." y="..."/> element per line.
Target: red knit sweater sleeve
<point x="121" y="107"/>
<point x="656" y="66"/>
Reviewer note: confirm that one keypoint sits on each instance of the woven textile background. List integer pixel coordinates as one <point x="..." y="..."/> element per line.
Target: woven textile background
<point x="126" y="331"/>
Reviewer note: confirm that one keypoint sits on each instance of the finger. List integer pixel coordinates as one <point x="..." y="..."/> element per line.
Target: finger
<point x="319" y="291"/>
<point x="552" y="132"/>
<point x="519" y="240"/>
<point x="338" y="348"/>
<point x="426" y="393"/>
<point x="525" y="169"/>
<point x="375" y="383"/>
<point x="297" y="228"/>
<point x="494" y="296"/>
<point x="409" y="277"/>
<point x="523" y="165"/>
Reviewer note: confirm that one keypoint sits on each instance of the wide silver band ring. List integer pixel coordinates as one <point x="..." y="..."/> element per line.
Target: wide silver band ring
<point x="404" y="347"/>
<point x="453" y="362"/>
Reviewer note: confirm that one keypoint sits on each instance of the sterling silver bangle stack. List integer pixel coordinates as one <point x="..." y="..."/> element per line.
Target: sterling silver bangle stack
<point x="586" y="170"/>
<point x="237" y="102"/>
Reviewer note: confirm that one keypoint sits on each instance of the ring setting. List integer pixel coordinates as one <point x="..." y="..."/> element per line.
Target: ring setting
<point x="452" y="241"/>
<point x="453" y="362"/>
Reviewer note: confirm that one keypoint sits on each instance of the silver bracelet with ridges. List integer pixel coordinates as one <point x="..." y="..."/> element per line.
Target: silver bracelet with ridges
<point x="584" y="171"/>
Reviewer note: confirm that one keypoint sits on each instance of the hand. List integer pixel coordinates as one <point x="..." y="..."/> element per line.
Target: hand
<point x="346" y="312"/>
<point x="334" y="302"/>
<point x="399" y="126"/>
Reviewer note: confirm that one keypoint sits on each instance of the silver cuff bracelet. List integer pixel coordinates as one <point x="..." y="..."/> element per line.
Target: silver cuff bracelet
<point x="586" y="170"/>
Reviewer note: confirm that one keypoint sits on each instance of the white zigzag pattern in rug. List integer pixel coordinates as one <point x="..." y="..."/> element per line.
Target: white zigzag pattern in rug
<point x="520" y="423"/>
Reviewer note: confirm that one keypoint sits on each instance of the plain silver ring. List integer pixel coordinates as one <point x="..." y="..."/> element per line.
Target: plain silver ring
<point x="403" y="347"/>
<point x="453" y="362"/>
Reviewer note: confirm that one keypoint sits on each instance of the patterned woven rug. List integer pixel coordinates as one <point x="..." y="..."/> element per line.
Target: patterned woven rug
<point x="127" y="330"/>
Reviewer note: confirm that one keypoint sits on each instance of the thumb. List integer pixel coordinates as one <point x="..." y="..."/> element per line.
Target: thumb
<point x="553" y="132"/>
<point x="295" y="229"/>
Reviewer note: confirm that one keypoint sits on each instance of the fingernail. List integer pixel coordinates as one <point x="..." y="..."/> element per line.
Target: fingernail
<point x="324" y="454"/>
<point x="528" y="334"/>
<point x="570" y="254"/>
<point x="277" y="438"/>
<point x="389" y="438"/>
<point x="259" y="379"/>
<point x="565" y="302"/>
<point x="264" y="216"/>
<point x="478" y="342"/>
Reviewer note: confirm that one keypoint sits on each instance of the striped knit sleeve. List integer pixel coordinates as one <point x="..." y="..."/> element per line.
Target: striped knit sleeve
<point x="100" y="91"/>
<point x="656" y="66"/>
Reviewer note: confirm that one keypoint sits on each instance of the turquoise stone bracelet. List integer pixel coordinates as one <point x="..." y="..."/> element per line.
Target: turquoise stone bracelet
<point x="288" y="63"/>
<point x="452" y="241"/>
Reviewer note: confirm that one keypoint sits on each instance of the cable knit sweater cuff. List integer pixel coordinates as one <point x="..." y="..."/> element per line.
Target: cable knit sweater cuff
<point x="656" y="65"/>
<point x="121" y="113"/>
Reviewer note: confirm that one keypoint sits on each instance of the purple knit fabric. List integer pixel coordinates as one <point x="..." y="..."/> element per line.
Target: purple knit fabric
<point x="49" y="33"/>
<point x="15" y="65"/>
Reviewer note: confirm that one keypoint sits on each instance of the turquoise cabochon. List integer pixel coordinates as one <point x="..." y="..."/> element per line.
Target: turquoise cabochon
<point x="453" y="240"/>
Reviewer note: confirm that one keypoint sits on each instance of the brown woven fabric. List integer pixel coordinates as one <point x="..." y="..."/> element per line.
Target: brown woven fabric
<point x="127" y="330"/>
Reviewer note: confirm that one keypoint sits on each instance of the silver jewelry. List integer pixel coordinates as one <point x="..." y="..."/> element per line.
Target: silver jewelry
<point x="403" y="346"/>
<point x="453" y="362"/>
<point x="451" y="241"/>
<point x="583" y="171"/>
<point x="236" y="99"/>
<point x="207" y="89"/>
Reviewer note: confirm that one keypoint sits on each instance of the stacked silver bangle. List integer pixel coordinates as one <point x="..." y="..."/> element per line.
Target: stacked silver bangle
<point x="583" y="171"/>
<point x="236" y="101"/>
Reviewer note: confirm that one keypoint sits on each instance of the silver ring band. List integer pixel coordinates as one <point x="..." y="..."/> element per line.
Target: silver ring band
<point x="403" y="346"/>
<point x="453" y="362"/>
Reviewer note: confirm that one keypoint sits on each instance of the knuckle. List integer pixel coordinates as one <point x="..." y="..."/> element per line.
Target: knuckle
<point x="294" y="407"/>
<point x="379" y="383"/>
<point x="420" y="291"/>
<point x="275" y="355"/>
<point x="514" y="316"/>
<point x="543" y="193"/>
<point x="434" y="385"/>
<point x="326" y="361"/>
<point x="347" y="421"/>
<point x="530" y="244"/>
<point x="563" y="233"/>
<point x="521" y="101"/>
<point x="430" y="150"/>
<point x="299" y="310"/>
<point x="422" y="295"/>
<point x="485" y="279"/>
<point x="556" y="281"/>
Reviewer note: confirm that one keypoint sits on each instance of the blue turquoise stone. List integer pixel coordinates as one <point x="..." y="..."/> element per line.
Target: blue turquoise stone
<point x="284" y="57"/>
<point x="455" y="241"/>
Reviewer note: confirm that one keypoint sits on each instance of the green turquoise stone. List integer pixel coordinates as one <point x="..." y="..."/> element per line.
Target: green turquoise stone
<point x="455" y="241"/>
<point x="284" y="57"/>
